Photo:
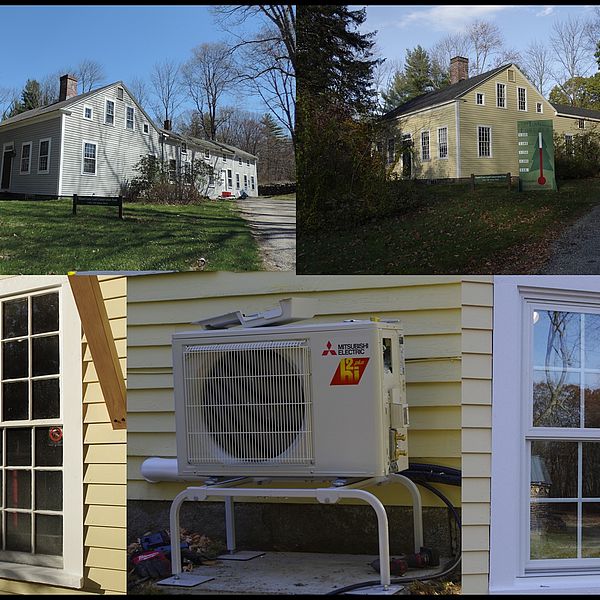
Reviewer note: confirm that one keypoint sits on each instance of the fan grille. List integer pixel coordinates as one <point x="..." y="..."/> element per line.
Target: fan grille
<point x="248" y="403"/>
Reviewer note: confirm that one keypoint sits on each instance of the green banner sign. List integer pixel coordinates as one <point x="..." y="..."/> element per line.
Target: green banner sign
<point x="535" y="150"/>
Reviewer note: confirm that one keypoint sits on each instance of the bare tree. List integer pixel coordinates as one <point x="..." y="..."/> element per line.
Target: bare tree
<point x="486" y="41"/>
<point x="449" y="47"/>
<point x="537" y="63"/>
<point x="139" y="89"/>
<point x="89" y="74"/>
<point x="8" y="98"/>
<point x="208" y="77"/>
<point x="167" y="89"/>
<point x="509" y="55"/>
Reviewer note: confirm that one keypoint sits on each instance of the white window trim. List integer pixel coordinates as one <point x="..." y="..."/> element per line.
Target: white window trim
<point x="477" y="141"/>
<point x="145" y="126"/>
<point x="514" y="79"/>
<point x="83" y="143"/>
<point x="71" y="574"/>
<point x="49" y="140"/>
<point x="580" y="122"/>
<point x="106" y="101"/>
<point x="132" y="107"/>
<point x="28" y="172"/>
<point x="508" y="508"/>
<point x="447" y="143"/>
<point x="541" y="105"/>
<point x="428" y="132"/>
<point x="520" y="87"/>
<point x="207" y="154"/>
<point x="90" y="118"/>
<point x="122" y="99"/>
<point x="482" y="98"/>
<point x="505" y="107"/>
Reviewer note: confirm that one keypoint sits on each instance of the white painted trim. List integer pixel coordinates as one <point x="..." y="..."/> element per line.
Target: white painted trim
<point x="457" y="118"/>
<point x="477" y="141"/>
<point x="83" y="143"/>
<point x="28" y="172"/>
<point x="145" y="124"/>
<point x="49" y="140"/>
<point x="539" y="112"/>
<point x="505" y="107"/>
<point x="521" y="87"/>
<point x="424" y="110"/>
<point x="482" y="97"/>
<point x="54" y="114"/>
<point x="62" y="154"/>
<point x="447" y="143"/>
<point x="90" y="118"/>
<point x="429" y="144"/>
<point x="106" y="101"/>
<point x="133" y="108"/>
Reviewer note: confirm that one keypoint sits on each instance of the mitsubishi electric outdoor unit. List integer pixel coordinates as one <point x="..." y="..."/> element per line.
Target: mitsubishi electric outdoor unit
<point x="316" y="400"/>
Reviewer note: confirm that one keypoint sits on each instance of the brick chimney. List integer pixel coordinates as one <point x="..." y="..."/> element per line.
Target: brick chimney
<point x="459" y="69"/>
<point x="167" y="125"/>
<point x="68" y="87"/>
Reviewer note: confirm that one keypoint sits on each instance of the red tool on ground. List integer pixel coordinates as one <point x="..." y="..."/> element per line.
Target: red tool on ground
<point x="426" y="557"/>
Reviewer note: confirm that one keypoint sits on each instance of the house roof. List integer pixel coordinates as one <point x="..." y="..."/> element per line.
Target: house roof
<point x="35" y="112"/>
<point x="206" y="144"/>
<point x="451" y="92"/>
<point x="575" y="111"/>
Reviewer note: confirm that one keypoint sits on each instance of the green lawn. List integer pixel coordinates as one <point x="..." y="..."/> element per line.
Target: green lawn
<point x="43" y="237"/>
<point x="454" y="230"/>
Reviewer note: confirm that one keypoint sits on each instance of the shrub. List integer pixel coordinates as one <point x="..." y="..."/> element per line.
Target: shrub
<point x="578" y="158"/>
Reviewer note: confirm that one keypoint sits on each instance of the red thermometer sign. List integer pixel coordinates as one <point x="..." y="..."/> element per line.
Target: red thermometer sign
<point x="541" y="178"/>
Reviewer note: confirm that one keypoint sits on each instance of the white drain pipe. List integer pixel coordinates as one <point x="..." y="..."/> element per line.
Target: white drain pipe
<point x="156" y="470"/>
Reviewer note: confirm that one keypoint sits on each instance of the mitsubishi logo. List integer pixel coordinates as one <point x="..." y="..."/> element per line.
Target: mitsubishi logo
<point x="329" y="350"/>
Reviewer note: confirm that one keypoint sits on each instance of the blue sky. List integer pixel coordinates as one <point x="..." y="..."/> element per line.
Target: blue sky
<point x="126" y="40"/>
<point x="406" y="26"/>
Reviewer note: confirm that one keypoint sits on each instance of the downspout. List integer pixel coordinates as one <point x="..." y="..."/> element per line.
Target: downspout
<point x="457" y="125"/>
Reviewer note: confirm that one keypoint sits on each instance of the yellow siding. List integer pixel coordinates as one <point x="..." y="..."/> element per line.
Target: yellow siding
<point x="429" y="307"/>
<point x="429" y="120"/>
<point x="503" y="122"/>
<point x="477" y="303"/>
<point x="569" y="125"/>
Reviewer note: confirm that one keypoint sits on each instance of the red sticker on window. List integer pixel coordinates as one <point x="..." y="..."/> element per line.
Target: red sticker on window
<point x="55" y="434"/>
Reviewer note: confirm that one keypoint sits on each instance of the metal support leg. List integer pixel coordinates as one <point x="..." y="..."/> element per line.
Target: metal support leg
<point x="230" y="524"/>
<point x="417" y="507"/>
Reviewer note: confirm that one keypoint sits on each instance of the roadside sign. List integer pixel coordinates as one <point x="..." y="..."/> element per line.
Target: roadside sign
<point x="535" y="151"/>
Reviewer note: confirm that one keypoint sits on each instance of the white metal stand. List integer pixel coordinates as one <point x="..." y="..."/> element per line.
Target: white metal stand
<point x="229" y="489"/>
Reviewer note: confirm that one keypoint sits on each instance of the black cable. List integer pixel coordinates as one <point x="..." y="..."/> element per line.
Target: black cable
<point x="449" y="568"/>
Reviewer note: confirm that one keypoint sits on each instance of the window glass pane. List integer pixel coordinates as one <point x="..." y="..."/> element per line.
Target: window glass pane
<point x="556" y="399"/>
<point x="590" y="530"/>
<point x="48" y="490"/>
<point x="46" y="399"/>
<point x="48" y="534"/>
<point x="18" y="489"/>
<point x="592" y="341"/>
<point x="592" y="400"/>
<point x="553" y="469"/>
<point x="48" y="447"/>
<point x="15" y="359"/>
<point x="18" y="532"/>
<point x="15" y="401"/>
<point x="556" y="339"/>
<point x="18" y="447"/>
<point x="590" y="469"/>
<point x="44" y="311"/>
<point x="45" y="356"/>
<point x="14" y="318"/>
<point x="553" y="530"/>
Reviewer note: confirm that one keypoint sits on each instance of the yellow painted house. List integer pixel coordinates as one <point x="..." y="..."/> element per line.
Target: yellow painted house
<point x="63" y="466"/>
<point x="470" y="126"/>
<point x="447" y="323"/>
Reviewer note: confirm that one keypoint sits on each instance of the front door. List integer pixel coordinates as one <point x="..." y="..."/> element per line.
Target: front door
<point x="6" y="169"/>
<point x="407" y="156"/>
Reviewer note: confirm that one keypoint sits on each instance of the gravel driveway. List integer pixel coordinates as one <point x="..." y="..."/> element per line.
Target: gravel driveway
<point x="273" y="223"/>
<point x="577" y="250"/>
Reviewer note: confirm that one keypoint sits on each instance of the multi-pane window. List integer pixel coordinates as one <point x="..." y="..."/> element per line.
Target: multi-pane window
<point x="501" y="95"/>
<point x="391" y="151"/>
<point x="239" y="160"/>
<point x="229" y="179"/>
<point x="511" y="75"/>
<point x="129" y="117"/>
<point x="172" y="170"/>
<point x="31" y="466"/>
<point x="581" y="123"/>
<point x="237" y="181"/>
<point x="90" y="151"/>
<point x="480" y="99"/>
<point x="252" y="181"/>
<point x="522" y="98"/>
<point x="88" y="112"/>
<point x="183" y="148"/>
<point x="247" y="162"/>
<point x="484" y="141"/>
<point x="119" y="93"/>
<point x="563" y="437"/>
<point x="425" y="154"/>
<point x="539" y="107"/>
<point x="443" y="142"/>
<point x="245" y="182"/>
<point x="109" y="112"/>
<point x="44" y="156"/>
<point x="26" y="158"/>
<point x="187" y="172"/>
<point x="146" y="128"/>
<point x="569" y="143"/>
<point x="207" y="154"/>
<point x="224" y="157"/>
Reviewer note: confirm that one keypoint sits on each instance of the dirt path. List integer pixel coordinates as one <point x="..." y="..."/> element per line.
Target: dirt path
<point x="273" y="223"/>
<point x="577" y="250"/>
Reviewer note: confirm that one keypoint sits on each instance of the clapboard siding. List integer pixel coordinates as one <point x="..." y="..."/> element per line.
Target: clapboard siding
<point x="34" y="183"/>
<point x="570" y="125"/>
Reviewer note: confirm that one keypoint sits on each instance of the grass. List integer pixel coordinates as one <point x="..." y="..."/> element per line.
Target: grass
<point x="43" y="237"/>
<point x="454" y="230"/>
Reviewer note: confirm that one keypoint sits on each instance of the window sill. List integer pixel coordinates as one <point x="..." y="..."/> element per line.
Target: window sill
<point x="580" y="584"/>
<point x="46" y="575"/>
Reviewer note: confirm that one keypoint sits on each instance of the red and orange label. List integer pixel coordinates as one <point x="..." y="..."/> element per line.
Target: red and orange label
<point x="349" y="371"/>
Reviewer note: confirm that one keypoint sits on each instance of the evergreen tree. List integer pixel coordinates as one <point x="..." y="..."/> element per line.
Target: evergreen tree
<point x="31" y="97"/>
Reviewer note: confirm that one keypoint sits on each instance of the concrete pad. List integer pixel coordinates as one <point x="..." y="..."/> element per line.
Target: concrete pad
<point x="289" y="573"/>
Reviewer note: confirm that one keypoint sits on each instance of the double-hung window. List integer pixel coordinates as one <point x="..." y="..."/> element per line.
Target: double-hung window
<point x="443" y="142"/>
<point x="229" y="179"/>
<point x="40" y="430"/>
<point x="237" y="181"/>
<point x="522" y="98"/>
<point x="391" y="153"/>
<point x="501" y="95"/>
<point x="484" y="141"/>
<point x="252" y="181"/>
<point x="129" y="118"/>
<point x="425" y="151"/>
<point x="90" y="158"/>
<point x="109" y="112"/>
<point x="44" y="156"/>
<point x="25" y="158"/>
<point x="245" y="182"/>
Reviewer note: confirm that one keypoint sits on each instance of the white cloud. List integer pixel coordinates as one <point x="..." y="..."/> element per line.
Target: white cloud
<point x="545" y="12"/>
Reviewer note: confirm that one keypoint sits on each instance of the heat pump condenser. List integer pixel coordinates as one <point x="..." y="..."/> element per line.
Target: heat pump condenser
<point x="291" y="400"/>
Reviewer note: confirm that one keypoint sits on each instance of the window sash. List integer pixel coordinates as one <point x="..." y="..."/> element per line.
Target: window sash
<point x="425" y="150"/>
<point x="443" y="142"/>
<point x="480" y="99"/>
<point x="90" y="158"/>
<point x="25" y="167"/>
<point x="501" y="95"/>
<point x="522" y="98"/>
<point x="109" y="113"/>
<point x="130" y="112"/>
<point x="484" y="141"/>
<point x="44" y="157"/>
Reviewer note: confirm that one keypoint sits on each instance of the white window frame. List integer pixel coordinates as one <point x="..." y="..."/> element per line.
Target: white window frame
<point x="513" y="298"/>
<point x="240" y="160"/>
<point x="71" y="573"/>
<point x="245" y="181"/>
<point x="477" y="94"/>
<point x="539" y="105"/>
<point x="445" y="128"/>
<point x="120" y="92"/>
<point x="224" y="157"/>
<point x="519" y="88"/>
<point x="47" y="170"/>
<point x="127" y="107"/>
<point x="569" y="141"/>
<point x="247" y="162"/>
<point x="145" y="128"/>
<point x="91" y="117"/>
<point x="28" y="172"/>
<point x="252" y="182"/>
<point x="229" y="179"/>
<point x="83" y="143"/>
<point x="207" y="154"/>
<point x="479" y="155"/>
<point x="237" y="181"/>
<point x="508" y="74"/>
<point x="114" y="115"/>
<point x="580" y="123"/>
<point x="423" y="159"/>
<point x="505" y="87"/>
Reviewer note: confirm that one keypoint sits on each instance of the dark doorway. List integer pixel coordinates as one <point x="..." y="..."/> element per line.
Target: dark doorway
<point x="6" y="169"/>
